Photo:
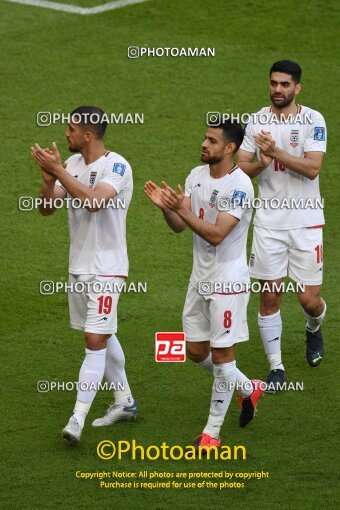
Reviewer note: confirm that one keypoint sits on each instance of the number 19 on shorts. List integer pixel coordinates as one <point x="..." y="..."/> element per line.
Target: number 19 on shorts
<point x="104" y="305"/>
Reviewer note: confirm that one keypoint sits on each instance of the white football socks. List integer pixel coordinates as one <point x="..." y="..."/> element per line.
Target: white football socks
<point x="313" y="323"/>
<point x="222" y="392"/>
<point x="243" y="384"/>
<point x="115" y="372"/>
<point x="271" y="331"/>
<point x="90" y="375"/>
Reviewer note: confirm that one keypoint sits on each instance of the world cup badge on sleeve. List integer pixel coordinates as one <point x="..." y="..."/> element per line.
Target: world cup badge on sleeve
<point x="319" y="134"/>
<point x="119" y="168"/>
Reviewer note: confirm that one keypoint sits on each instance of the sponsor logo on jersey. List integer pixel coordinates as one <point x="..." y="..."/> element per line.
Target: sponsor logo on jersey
<point x="238" y="197"/>
<point x="319" y="134"/>
<point x="294" y="138"/>
<point x="252" y="260"/>
<point x="93" y="176"/>
<point x="212" y="201"/>
<point x="119" y="168"/>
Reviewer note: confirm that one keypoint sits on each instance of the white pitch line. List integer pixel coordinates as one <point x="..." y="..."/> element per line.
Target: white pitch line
<point x="84" y="11"/>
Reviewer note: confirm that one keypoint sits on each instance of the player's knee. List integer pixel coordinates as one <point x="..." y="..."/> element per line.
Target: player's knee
<point x="270" y="302"/>
<point x="95" y="342"/>
<point x="309" y="302"/>
<point x="197" y="352"/>
<point x="222" y="355"/>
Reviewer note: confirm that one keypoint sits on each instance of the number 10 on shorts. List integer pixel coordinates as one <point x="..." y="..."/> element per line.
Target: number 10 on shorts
<point x="170" y="347"/>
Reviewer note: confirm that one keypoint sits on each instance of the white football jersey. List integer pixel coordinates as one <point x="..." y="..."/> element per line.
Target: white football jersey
<point x="305" y="133"/>
<point x="98" y="239"/>
<point x="226" y="262"/>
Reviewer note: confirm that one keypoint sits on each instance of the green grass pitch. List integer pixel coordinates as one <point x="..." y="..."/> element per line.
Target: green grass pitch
<point x="55" y="61"/>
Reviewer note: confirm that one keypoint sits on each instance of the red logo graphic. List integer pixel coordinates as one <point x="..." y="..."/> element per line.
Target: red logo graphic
<point x="170" y="347"/>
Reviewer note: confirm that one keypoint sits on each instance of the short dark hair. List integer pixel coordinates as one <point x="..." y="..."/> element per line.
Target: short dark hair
<point x="93" y="118"/>
<point x="233" y="132"/>
<point x="288" y="67"/>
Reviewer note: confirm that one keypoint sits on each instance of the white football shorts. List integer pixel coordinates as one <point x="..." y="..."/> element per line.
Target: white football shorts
<point x="218" y="318"/>
<point x="296" y="253"/>
<point x="93" y="303"/>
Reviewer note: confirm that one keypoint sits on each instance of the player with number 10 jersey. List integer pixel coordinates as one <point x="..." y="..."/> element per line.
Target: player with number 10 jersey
<point x="289" y="142"/>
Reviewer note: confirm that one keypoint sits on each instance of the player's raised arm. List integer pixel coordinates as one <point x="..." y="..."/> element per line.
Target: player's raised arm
<point x="49" y="192"/>
<point x="154" y="193"/>
<point x="247" y="152"/>
<point x="309" y="165"/>
<point x="214" y="234"/>
<point x="245" y="161"/>
<point x="51" y="164"/>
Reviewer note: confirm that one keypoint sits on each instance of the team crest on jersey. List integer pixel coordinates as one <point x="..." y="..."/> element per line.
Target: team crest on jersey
<point x="212" y="201"/>
<point x="93" y="176"/>
<point x="319" y="134"/>
<point x="119" y="168"/>
<point x="294" y="138"/>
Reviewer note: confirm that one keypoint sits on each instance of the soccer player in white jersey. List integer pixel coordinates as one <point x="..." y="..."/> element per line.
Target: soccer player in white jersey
<point x="98" y="260"/>
<point x="289" y="142"/>
<point x="214" y="316"/>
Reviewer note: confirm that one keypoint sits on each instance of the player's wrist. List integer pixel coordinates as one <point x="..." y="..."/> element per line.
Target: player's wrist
<point x="48" y="187"/>
<point x="273" y="153"/>
<point x="49" y="181"/>
<point x="58" y="171"/>
<point x="181" y="210"/>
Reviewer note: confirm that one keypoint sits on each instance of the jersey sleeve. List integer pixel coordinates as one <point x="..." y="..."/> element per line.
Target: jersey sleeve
<point x="238" y="201"/>
<point x="248" y="143"/>
<point x="316" y="136"/>
<point x="189" y="182"/>
<point x="188" y="186"/>
<point x="117" y="174"/>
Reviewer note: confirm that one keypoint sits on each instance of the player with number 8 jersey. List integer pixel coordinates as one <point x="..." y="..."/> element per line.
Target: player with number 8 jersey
<point x="216" y="206"/>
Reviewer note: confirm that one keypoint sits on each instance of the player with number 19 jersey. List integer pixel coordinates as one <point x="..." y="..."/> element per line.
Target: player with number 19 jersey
<point x="98" y="253"/>
<point x="97" y="186"/>
<point x="98" y="241"/>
